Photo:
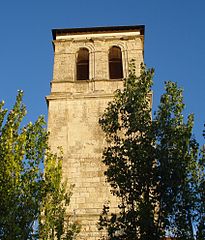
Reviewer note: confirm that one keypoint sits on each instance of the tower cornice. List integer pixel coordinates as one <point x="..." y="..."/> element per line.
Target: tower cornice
<point x="112" y="29"/>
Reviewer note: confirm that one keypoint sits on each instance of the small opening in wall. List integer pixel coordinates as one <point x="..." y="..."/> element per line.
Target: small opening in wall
<point x="83" y="64"/>
<point x="115" y="63"/>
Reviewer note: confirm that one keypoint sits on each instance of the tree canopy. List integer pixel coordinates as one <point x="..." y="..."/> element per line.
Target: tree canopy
<point x="152" y="163"/>
<point x="26" y="192"/>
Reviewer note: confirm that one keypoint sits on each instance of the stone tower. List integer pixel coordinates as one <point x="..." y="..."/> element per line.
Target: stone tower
<point x="89" y="65"/>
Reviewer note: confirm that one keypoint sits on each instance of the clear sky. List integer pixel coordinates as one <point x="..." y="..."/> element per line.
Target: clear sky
<point x="174" y="45"/>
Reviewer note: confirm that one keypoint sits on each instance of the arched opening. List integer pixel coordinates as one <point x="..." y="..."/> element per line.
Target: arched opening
<point x="82" y="65"/>
<point x="115" y="63"/>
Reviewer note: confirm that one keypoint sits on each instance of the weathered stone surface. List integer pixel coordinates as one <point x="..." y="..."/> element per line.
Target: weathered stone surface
<point x="74" y="108"/>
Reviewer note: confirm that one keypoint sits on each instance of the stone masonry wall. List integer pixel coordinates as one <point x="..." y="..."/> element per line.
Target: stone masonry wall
<point x="74" y="108"/>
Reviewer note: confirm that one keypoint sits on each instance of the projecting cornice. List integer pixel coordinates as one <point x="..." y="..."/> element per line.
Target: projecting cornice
<point x="98" y="31"/>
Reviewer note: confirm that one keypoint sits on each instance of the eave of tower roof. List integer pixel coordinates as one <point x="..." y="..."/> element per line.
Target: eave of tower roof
<point x="56" y="32"/>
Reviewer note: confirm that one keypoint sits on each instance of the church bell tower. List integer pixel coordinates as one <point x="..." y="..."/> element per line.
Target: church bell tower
<point x="89" y="65"/>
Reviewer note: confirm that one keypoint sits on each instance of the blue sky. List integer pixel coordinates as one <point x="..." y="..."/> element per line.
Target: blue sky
<point x="174" y="45"/>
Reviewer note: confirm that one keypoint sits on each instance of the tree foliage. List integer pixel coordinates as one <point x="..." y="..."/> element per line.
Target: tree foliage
<point x="24" y="188"/>
<point x="200" y="233"/>
<point x="152" y="163"/>
<point x="55" y="222"/>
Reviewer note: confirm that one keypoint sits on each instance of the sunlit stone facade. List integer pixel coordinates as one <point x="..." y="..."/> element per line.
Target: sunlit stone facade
<point x="75" y="105"/>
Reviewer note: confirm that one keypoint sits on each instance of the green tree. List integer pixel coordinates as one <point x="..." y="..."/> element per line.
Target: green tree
<point x="23" y="187"/>
<point x="127" y="124"/>
<point x="54" y="220"/>
<point x="200" y="234"/>
<point x="151" y="163"/>
<point x="177" y="165"/>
